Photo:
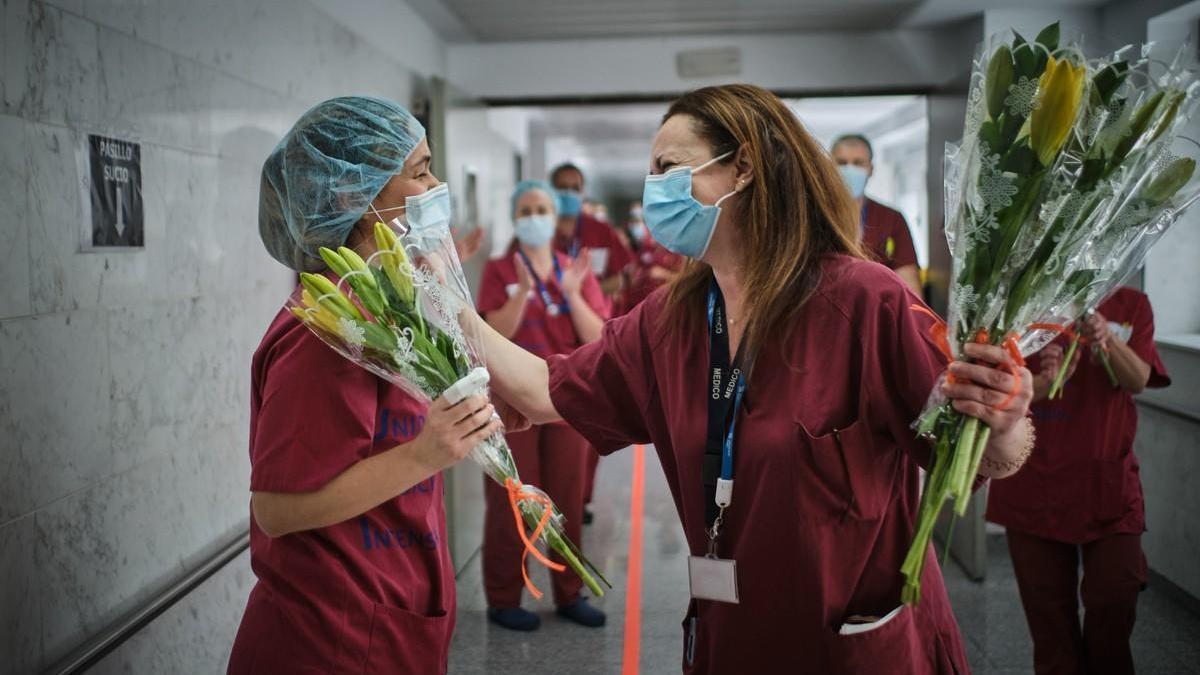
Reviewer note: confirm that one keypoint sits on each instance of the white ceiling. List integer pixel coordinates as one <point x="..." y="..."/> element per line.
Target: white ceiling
<point x="513" y="20"/>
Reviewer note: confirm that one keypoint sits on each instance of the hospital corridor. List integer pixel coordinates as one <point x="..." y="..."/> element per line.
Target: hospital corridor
<point x="613" y="337"/>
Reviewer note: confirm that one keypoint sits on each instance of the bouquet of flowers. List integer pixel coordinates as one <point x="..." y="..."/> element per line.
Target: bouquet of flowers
<point x="396" y="313"/>
<point x="1068" y="172"/>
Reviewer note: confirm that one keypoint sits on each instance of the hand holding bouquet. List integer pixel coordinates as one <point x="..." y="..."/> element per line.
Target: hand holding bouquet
<point x="1067" y="174"/>
<point x="396" y="313"/>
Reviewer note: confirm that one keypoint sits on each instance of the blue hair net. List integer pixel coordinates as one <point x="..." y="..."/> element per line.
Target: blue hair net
<point x="320" y="179"/>
<point x="527" y="185"/>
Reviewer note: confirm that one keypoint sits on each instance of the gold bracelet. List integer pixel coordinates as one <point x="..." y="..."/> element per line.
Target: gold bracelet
<point x="1013" y="465"/>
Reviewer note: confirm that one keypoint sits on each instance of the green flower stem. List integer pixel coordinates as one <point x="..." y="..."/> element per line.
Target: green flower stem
<point x="1108" y="368"/>
<point x="961" y="461"/>
<point x="1056" y="388"/>
<point x="936" y="485"/>
<point x="555" y="541"/>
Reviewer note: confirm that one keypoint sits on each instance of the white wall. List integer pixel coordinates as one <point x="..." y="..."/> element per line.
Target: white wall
<point x="473" y="145"/>
<point x="1029" y="22"/>
<point x="1172" y="272"/>
<point x="782" y="62"/>
<point x="1168" y="443"/>
<point x="125" y="376"/>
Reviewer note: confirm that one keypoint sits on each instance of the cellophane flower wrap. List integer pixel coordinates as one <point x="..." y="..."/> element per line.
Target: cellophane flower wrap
<point x="395" y="307"/>
<point x="1068" y="172"/>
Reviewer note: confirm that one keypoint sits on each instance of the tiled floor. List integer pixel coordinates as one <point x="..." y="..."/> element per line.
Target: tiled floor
<point x="1166" y="641"/>
<point x="1166" y="638"/>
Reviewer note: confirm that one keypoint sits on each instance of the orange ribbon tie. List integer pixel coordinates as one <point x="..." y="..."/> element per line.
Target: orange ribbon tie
<point x="938" y="332"/>
<point x="514" y="498"/>
<point x="1018" y="361"/>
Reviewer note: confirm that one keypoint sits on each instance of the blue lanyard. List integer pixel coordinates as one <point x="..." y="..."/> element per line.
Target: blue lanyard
<point x="862" y="220"/>
<point x="574" y="250"/>
<point x="551" y="306"/>
<point x="725" y="399"/>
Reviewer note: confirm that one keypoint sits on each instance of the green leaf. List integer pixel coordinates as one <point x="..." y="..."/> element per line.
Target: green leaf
<point x="378" y="337"/>
<point x="999" y="79"/>
<point x="1027" y="62"/>
<point x="1020" y="293"/>
<point x="1109" y="79"/>
<point x="1091" y="172"/>
<point x="1011" y="220"/>
<point x="1021" y="159"/>
<point x="1137" y="126"/>
<point x="1049" y="37"/>
<point x="1173" y="101"/>
<point x="989" y="133"/>
<point x="1010" y="130"/>
<point x="1169" y="181"/>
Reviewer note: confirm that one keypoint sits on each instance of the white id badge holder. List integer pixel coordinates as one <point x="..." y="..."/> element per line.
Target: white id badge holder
<point x="713" y="578"/>
<point x="710" y="577"/>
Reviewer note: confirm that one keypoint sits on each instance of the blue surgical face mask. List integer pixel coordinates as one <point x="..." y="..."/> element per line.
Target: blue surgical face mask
<point x="535" y="231"/>
<point x="426" y="215"/>
<point x="570" y="203"/>
<point x="855" y="177"/>
<point x="638" y="231"/>
<point x="676" y="220"/>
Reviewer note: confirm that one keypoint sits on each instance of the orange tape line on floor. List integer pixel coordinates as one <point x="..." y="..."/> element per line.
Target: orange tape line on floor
<point x="633" y="581"/>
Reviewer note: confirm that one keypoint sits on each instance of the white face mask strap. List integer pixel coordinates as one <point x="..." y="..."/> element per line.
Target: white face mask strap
<point x="379" y="212"/>
<point x="712" y="161"/>
<point x="725" y="197"/>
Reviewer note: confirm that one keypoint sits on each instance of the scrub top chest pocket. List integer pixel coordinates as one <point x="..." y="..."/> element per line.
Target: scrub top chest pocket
<point x="846" y="473"/>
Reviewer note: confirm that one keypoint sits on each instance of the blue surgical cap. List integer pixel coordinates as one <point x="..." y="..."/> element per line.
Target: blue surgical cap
<point x="321" y="178"/>
<point x="527" y="185"/>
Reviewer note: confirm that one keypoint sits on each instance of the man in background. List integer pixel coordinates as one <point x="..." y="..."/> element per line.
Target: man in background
<point x="577" y="231"/>
<point x="885" y="233"/>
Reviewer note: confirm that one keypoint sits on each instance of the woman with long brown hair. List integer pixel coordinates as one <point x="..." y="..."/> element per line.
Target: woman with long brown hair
<point x="809" y="364"/>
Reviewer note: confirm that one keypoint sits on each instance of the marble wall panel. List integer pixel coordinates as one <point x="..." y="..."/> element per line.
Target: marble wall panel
<point x="1167" y="451"/>
<point x="20" y="611"/>
<point x="54" y="408"/>
<point x="125" y="402"/>
<point x="105" y="550"/>
<point x="14" y="253"/>
<point x="198" y="631"/>
<point x="152" y="95"/>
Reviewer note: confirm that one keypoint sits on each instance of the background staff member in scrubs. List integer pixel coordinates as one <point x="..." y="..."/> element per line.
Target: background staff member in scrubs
<point x="1079" y="498"/>
<point x="577" y="231"/>
<point x="820" y="447"/>
<point x="347" y="527"/>
<point x="885" y="233"/>
<point x="547" y="303"/>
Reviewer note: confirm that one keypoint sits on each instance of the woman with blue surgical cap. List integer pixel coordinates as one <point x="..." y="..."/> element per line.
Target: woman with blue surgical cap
<point x="547" y="303"/>
<point x="347" y="528"/>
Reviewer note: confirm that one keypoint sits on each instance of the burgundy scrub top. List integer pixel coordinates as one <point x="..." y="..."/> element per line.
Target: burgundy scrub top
<point x="826" y="472"/>
<point x="596" y="236"/>
<point x="650" y="254"/>
<point x="372" y="594"/>
<point x="884" y="224"/>
<point x="539" y="332"/>
<point x="1081" y="483"/>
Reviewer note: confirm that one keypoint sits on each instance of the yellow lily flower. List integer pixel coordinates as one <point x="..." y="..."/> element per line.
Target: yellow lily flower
<point x="329" y="296"/>
<point x="395" y="263"/>
<point x="1061" y="88"/>
<point x="316" y="314"/>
